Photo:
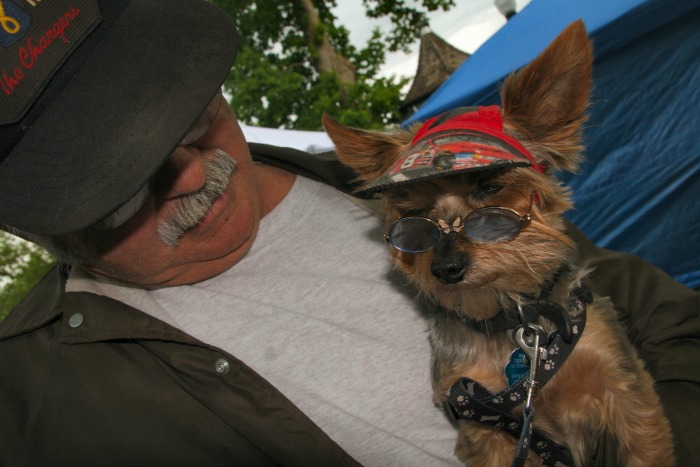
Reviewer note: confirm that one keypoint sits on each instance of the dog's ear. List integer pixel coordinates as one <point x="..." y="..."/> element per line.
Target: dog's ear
<point x="544" y="104"/>
<point x="369" y="153"/>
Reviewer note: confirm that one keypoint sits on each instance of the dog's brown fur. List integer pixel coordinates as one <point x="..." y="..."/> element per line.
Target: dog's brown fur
<point x="603" y="385"/>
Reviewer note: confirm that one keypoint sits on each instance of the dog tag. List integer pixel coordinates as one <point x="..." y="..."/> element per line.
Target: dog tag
<point x="517" y="366"/>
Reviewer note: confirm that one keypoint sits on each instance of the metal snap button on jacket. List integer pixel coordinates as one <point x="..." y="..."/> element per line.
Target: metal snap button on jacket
<point x="222" y="366"/>
<point x="75" y="320"/>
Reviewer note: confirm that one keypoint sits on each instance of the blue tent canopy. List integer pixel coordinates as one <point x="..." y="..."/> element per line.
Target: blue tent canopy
<point x="639" y="188"/>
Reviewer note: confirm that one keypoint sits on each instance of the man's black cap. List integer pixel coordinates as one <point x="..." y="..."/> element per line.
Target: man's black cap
<point x="94" y="96"/>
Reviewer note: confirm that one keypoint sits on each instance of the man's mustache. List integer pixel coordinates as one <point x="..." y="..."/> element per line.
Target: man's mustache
<point x="189" y="210"/>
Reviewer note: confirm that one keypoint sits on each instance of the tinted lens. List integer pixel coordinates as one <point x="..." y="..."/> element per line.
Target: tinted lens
<point x="413" y="234"/>
<point x="490" y="225"/>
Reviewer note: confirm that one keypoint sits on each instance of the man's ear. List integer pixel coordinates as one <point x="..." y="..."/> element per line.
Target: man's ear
<point x="369" y="153"/>
<point x="544" y="104"/>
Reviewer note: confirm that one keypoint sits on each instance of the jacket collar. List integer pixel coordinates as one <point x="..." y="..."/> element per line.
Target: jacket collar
<point x="85" y="316"/>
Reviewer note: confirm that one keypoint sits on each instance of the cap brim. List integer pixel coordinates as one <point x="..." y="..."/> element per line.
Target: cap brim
<point x="387" y="182"/>
<point x="119" y="117"/>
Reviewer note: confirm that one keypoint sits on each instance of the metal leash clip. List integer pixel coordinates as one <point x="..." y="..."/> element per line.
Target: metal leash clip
<point x="531" y="340"/>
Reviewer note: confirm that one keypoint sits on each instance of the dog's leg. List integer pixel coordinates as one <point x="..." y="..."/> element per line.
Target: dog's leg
<point x="603" y="387"/>
<point x="482" y="446"/>
<point x="632" y="411"/>
<point x="635" y="416"/>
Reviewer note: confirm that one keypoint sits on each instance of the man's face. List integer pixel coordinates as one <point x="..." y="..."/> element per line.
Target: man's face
<point x="136" y="251"/>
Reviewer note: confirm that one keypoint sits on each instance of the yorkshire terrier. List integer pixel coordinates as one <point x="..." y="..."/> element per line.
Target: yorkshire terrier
<point x="534" y="367"/>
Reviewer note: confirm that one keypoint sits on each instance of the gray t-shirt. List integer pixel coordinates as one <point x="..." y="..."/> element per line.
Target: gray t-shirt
<point x="316" y="309"/>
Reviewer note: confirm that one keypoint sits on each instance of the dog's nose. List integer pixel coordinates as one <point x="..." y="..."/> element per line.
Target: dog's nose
<point x="450" y="269"/>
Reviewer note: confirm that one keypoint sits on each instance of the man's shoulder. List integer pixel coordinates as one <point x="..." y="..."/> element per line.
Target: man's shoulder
<point x="324" y="166"/>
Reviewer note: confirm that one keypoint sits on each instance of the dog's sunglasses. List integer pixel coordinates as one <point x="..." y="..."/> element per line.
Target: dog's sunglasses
<point x="490" y="224"/>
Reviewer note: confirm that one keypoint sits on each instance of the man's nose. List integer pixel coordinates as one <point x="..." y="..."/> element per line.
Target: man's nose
<point x="183" y="173"/>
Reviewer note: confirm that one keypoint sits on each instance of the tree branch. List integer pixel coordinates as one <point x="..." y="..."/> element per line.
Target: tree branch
<point x="328" y="60"/>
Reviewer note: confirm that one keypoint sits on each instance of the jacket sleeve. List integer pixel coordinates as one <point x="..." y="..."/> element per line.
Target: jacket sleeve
<point x="662" y="317"/>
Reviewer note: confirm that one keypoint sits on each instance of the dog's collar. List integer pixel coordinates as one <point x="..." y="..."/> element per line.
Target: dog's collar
<point x="531" y="308"/>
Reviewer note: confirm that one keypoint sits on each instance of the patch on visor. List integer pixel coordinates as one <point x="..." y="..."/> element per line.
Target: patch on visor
<point x="36" y="38"/>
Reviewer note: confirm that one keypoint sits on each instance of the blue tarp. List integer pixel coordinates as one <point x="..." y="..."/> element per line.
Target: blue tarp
<point x="639" y="188"/>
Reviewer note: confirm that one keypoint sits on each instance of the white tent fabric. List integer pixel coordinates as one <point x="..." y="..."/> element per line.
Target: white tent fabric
<point x="309" y="141"/>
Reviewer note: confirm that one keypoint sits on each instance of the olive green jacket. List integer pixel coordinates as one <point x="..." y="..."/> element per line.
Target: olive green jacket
<point x="89" y="381"/>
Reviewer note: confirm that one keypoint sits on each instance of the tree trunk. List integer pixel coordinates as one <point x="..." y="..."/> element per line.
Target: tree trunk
<point x="328" y="60"/>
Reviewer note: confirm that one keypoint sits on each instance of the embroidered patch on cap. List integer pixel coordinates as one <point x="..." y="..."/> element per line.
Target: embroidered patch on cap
<point x="36" y="37"/>
<point x="457" y="141"/>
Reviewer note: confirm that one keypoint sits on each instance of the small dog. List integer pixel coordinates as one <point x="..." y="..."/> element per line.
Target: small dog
<point x="533" y="365"/>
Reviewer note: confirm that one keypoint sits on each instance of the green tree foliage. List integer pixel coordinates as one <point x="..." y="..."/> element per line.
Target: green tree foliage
<point x="22" y="264"/>
<point x="296" y="62"/>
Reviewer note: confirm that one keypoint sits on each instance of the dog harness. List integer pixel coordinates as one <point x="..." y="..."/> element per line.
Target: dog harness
<point x="469" y="400"/>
